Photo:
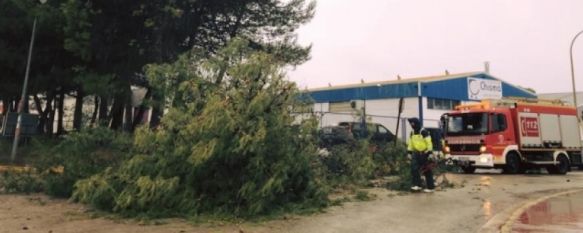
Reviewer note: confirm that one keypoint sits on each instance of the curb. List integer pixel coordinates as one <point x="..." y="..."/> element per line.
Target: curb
<point x="503" y="221"/>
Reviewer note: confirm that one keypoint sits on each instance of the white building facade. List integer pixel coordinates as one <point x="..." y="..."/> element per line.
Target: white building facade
<point x="426" y="98"/>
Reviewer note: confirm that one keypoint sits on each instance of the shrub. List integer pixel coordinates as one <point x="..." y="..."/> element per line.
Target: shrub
<point x="360" y="161"/>
<point x="391" y="159"/>
<point x="24" y="182"/>
<point x="349" y="163"/>
<point x="225" y="147"/>
<point x="81" y="155"/>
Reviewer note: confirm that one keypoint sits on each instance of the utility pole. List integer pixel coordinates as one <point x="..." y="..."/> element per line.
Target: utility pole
<point x="23" y="97"/>
<point x="400" y="110"/>
<point x="573" y="76"/>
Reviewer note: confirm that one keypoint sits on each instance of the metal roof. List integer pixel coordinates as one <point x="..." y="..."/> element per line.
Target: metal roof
<point x="452" y="86"/>
<point x="425" y="79"/>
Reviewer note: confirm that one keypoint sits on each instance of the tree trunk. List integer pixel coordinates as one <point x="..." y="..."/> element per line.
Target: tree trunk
<point x="41" y="113"/>
<point x="44" y="114"/>
<point x="157" y="110"/>
<point x="51" y="119"/>
<point x="25" y="107"/>
<point x="38" y="104"/>
<point x="129" y="113"/>
<point x="13" y="105"/>
<point x="95" y="110"/>
<point x="117" y="112"/>
<point x="103" y="111"/>
<point x="5" y="105"/>
<point x="122" y="98"/>
<point x="78" y="115"/>
<point x="141" y="110"/>
<point x="60" y="128"/>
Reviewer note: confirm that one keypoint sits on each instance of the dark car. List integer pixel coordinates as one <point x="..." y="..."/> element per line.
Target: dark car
<point x="348" y="132"/>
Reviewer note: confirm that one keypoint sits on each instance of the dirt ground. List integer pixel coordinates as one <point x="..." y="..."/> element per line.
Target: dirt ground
<point x="483" y="203"/>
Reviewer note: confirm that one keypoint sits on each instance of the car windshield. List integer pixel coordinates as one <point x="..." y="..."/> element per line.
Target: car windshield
<point x="467" y="123"/>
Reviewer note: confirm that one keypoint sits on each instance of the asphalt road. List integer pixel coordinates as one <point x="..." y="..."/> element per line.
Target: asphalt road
<point x="485" y="203"/>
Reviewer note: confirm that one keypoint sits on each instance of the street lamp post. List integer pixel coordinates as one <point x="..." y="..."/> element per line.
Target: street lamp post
<point x="23" y="97"/>
<point x="573" y="76"/>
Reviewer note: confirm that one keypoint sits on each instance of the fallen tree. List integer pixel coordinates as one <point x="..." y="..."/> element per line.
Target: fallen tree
<point x="228" y="146"/>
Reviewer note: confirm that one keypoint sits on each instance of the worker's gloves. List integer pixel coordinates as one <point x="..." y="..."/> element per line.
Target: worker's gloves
<point x="409" y="155"/>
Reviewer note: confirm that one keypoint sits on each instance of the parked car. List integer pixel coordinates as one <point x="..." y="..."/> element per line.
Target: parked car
<point x="349" y="132"/>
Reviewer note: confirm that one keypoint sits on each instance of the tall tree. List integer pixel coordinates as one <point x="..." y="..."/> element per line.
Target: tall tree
<point x="118" y="38"/>
<point x="51" y="66"/>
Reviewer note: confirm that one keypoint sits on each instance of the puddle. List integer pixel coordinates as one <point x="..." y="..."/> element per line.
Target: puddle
<point x="485" y="181"/>
<point x="557" y="214"/>
<point x="487" y="208"/>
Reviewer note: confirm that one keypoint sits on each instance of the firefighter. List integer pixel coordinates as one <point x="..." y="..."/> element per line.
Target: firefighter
<point x="419" y="148"/>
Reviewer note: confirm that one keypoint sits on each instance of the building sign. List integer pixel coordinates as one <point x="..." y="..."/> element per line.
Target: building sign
<point x="479" y="89"/>
<point x="529" y="126"/>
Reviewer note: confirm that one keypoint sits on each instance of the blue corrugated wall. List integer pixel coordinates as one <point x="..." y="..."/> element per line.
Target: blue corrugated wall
<point x="370" y="92"/>
<point x="456" y="89"/>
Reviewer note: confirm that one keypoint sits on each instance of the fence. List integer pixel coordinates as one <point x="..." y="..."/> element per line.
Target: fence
<point x="389" y="122"/>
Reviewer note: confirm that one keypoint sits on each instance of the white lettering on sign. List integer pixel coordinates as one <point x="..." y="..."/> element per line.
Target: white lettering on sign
<point x="479" y="89"/>
<point x="529" y="126"/>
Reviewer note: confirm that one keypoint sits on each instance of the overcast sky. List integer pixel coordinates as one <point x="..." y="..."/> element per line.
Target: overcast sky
<point x="525" y="41"/>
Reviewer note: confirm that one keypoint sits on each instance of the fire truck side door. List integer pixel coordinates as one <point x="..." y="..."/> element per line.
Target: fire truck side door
<point x="501" y="135"/>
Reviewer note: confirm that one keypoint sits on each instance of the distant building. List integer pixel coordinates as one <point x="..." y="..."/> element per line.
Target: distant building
<point x="426" y="98"/>
<point x="566" y="97"/>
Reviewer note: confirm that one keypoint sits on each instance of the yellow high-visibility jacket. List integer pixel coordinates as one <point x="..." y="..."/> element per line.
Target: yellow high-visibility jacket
<point x="420" y="142"/>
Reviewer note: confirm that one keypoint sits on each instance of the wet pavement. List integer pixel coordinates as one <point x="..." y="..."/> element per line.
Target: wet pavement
<point x="557" y="214"/>
<point x="485" y="202"/>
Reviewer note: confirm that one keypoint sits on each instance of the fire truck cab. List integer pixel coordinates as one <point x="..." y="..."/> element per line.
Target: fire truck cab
<point x="513" y="134"/>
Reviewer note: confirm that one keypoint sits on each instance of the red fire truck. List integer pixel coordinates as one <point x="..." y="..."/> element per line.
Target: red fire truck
<point x="513" y="134"/>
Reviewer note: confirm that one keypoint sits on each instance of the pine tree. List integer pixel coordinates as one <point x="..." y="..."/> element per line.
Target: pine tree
<point x="229" y="146"/>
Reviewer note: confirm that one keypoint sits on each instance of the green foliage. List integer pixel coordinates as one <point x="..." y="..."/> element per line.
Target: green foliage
<point x="362" y="196"/>
<point x="391" y="159"/>
<point x="361" y="161"/>
<point x="81" y="155"/>
<point x="349" y="163"/>
<point x="25" y="182"/>
<point x="403" y="181"/>
<point x="228" y="147"/>
<point x="51" y="61"/>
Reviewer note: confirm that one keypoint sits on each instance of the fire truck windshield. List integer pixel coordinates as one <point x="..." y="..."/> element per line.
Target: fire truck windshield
<point x="467" y="124"/>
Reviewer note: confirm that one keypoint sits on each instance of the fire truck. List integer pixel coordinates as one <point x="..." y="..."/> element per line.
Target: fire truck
<point x="513" y="134"/>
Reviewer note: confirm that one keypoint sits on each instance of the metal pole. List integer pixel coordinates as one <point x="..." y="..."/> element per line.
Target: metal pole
<point x="399" y="111"/>
<point x="23" y="99"/>
<point x="573" y="76"/>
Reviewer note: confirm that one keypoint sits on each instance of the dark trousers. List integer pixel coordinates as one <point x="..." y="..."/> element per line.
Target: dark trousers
<point x="418" y="162"/>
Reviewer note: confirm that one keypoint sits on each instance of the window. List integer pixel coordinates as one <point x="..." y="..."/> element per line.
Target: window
<point x="441" y="104"/>
<point x="467" y="123"/>
<point x="382" y="130"/>
<point x="498" y="122"/>
<point x="337" y="107"/>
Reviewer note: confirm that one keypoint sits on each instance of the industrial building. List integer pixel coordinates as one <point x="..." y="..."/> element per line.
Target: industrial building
<point x="426" y="98"/>
<point x="565" y="97"/>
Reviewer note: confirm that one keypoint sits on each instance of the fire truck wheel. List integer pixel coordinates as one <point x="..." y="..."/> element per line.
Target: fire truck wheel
<point x="468" y="169"/>
<point x="563" y="166"/>
<point x="513" y="164"/>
